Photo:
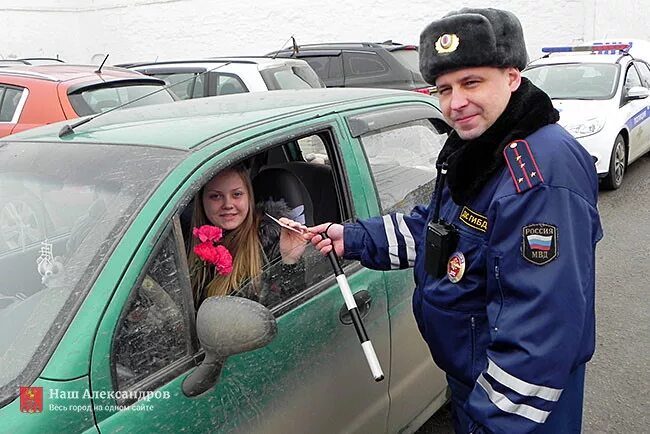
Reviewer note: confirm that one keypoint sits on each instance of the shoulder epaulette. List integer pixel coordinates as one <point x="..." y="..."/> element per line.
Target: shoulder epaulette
<point x="522" y="165"/>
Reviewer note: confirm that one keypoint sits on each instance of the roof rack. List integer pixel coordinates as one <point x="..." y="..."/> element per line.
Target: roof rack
<point x="25" y="73"/>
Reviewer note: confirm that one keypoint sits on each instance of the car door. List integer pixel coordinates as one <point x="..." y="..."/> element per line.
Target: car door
<point x="635" y="113"/>
<point x="400" y="146"/>
<point x="644" y="72"/>
<point x="311" y="378"/>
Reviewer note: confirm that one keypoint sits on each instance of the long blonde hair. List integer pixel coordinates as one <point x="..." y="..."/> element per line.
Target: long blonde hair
<point x="243" y="243"/>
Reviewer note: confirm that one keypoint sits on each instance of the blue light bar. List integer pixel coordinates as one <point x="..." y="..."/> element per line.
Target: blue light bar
<point x="592" y="48"/>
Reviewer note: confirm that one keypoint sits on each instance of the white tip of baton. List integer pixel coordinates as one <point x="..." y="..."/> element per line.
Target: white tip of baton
<point x="373" y="362"/>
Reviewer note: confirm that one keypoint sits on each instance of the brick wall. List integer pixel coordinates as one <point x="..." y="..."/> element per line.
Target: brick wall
<point x="134" y="30"/>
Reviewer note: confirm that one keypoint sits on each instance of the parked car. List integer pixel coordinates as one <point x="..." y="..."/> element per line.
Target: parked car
<point x="31" y="96"/>
<point x="364" y="64"/>
<point x="224" y="76"/>
<point x="603" y="102"/>
<point x="110" y="339"/>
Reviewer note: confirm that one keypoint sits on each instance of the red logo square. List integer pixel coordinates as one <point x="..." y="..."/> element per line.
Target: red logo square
<point x="31" y="399"/>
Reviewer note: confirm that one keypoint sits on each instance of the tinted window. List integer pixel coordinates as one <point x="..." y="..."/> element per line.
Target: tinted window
<point x="403" y="164"/>
<point x="575" y="80"/>
<point x="408" y="58"/>
<point x="362" y="64"/>
<point x="320" y="65"/>
<point x="97" y="100"/>
<point x="9" y="99"/>
<point x="154" y="330"/>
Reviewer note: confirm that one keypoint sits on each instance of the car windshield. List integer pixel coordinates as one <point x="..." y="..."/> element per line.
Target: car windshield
<point x="294" y="77"/>
<point x="63" y="208"/>
<point x="89" y="101"/>
<point x="575" y="80"/>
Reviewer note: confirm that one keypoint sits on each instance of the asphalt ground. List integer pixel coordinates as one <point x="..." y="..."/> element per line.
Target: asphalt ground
<point x="617" y="391"/>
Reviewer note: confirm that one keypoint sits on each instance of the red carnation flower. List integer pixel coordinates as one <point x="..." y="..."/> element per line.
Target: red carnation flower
<point x="211" y="252"/>
<point x="208" y="233"/>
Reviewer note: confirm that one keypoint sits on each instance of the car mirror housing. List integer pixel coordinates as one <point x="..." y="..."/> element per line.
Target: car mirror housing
<point x="637" y="92"/>
<point x="226" y="326"/>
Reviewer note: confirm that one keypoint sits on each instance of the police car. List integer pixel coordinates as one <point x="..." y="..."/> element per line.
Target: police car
<point x="601" y="92"/>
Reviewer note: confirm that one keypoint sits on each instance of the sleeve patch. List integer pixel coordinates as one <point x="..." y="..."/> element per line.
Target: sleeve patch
<point x="539" y="243"/>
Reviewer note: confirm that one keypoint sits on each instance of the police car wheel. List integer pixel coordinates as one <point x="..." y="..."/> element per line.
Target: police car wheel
<point x="614" y="177"/>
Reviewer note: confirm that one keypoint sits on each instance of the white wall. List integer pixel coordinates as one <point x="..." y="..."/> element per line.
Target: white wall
<point x="138" y="30"/>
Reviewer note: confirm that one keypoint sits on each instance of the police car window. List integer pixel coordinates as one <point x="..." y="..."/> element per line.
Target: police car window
<point x="632" y="78"/>
<point x="645" y="72"/>
<point x="403" y="163"/>
<point x="154" y="328"/>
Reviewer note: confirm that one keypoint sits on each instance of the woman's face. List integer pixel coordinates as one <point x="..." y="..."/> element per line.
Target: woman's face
<point x="226" y="200"/>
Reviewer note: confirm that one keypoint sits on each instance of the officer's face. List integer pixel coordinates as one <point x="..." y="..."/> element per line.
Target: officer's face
<point x="473" y="98"/>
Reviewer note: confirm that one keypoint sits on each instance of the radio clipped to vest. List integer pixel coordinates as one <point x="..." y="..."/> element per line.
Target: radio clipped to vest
<point x="441" y="236"/>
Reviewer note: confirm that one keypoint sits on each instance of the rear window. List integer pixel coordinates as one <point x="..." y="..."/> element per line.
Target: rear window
<point x="99" y="99"/>
<point x="295" y="77"/>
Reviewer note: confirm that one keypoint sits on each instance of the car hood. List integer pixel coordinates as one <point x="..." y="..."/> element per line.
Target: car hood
<point x="574" y="111"/>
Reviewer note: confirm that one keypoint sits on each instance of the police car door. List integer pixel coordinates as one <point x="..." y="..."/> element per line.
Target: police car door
<point x="644" y="72"/>
<point x="635" y="110"/>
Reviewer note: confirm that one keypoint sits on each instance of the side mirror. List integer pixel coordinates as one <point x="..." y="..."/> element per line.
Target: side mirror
<point x="637" y="92"/>
<point x="227" y="326"/>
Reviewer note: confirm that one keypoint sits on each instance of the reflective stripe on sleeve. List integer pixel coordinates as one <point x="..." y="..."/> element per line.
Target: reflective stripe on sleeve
<point x="520" y="386"/>
<point x="408" y="239"/>
<point x="392" y="242"/>
<point x="504" y="404"/>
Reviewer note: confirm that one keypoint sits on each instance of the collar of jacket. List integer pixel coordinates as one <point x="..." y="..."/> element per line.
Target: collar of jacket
<point x="471" y="163"/>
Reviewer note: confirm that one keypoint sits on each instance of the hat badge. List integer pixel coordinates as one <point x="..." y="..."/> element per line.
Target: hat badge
<point x="447" y="43"/>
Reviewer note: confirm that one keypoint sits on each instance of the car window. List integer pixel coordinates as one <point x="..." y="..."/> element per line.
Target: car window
<point x="408" y="58"/>
<point x="184" y="85"/>
<point x="364" y="64"/>
<point x="60" y="218"/>
<point x="9" y="100"/>
<point x="155" y="327"/>
<point x="99" y="99"/>
<point x="295" y="77"/>
<point x="313" y="149"/>
<point x="575" y="80"/>
<point x="227" y="84"/>
<point x="320" y="65"/>
<point x="645" y="72"/>
<point x="632" y="78"/>
<point x="403" y="163"/>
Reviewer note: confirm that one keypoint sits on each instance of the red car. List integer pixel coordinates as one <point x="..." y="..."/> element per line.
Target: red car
<point x="31" y="96"/>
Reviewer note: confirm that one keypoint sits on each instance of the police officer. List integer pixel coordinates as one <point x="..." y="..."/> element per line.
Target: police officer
<point x="505" y="252"/>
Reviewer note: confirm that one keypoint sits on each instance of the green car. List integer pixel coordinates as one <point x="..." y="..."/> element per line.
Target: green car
<point x="98" y="328"/>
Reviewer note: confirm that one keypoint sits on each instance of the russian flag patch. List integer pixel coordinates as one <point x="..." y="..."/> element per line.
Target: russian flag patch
<point x="539" y="243"/>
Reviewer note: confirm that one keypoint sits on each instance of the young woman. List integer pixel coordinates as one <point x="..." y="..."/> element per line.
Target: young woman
<point x="253" y="239"/>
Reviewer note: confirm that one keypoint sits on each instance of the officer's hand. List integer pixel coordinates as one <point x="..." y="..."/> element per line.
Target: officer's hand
<point x="334" y="234"/>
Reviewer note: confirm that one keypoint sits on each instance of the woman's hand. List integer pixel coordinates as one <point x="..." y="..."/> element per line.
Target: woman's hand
<point x="334" y="232"/>
<point x="292" y="242"/>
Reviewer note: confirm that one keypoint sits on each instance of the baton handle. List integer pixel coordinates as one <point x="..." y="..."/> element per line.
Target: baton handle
<point x="351" y="304"/>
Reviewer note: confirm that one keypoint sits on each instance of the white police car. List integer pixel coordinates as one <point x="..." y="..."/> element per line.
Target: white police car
<point x="601" y="92"/>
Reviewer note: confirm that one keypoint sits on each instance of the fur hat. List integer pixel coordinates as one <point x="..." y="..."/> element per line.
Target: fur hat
<point x="469" y="38"/>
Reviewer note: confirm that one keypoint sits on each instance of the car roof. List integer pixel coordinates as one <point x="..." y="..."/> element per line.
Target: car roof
<point x="64" y="72"/>
<point x="191" y="123"/>
<point x="262" y="61"/>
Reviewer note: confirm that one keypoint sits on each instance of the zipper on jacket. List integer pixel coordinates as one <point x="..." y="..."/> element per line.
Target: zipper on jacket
<point x="497" y="276"/>
<point x="473" y="326"/>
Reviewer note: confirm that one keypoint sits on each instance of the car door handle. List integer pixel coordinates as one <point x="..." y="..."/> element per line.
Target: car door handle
<point x="363" y="300"/>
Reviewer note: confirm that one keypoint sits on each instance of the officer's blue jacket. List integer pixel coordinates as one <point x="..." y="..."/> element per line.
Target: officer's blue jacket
<point x="521" y="317"/>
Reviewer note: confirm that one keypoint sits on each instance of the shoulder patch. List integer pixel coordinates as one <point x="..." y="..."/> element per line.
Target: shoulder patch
<point x="522" y="165"/>
<point x="473" y="219"/>
<point x="539" y="243"/>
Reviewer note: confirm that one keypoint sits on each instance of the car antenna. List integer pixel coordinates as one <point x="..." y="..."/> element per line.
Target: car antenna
<point x="295" y="47"/>
<point x="69" y="128"/>
<point x="99" y="70"/>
